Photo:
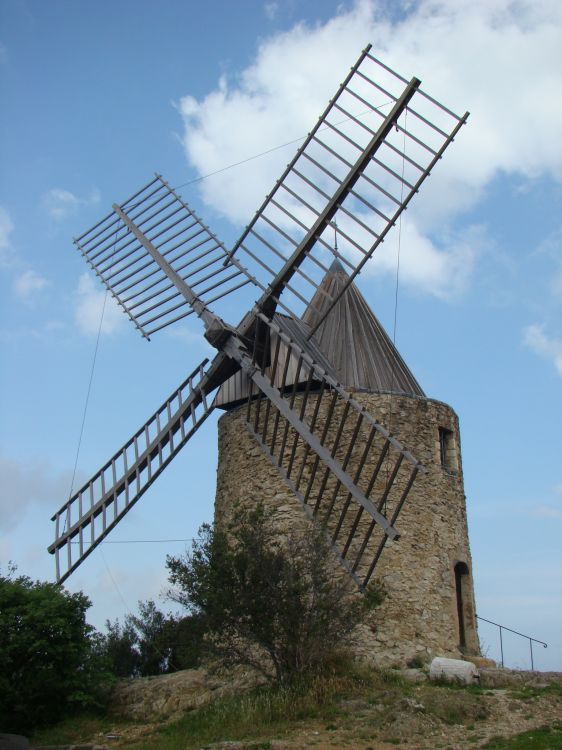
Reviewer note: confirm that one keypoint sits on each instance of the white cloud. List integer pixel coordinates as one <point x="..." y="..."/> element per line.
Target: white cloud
<point x="27" y="484"/>
<point x="499" y="59"/>
<point x="6" y="228"/>
<point x="271" y="10"/>
<point x="548" y="347"/>
<point x="61" y="203"/>
<point x="116" y="589"/>
<point x="28" y="283"/>
<point x="551" y="245"/>
<point x="556" y="283"/>
<point x="547" y="511"/>
<point x="89" y="307"/>
<point x="190" y="338"/>
<point x="43" y="331"/>
<point x="94" y="197"/>
<point x="440" y="267"/>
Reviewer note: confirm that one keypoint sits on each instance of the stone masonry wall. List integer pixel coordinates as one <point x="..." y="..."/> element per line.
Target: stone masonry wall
<point x="420" y="615"/>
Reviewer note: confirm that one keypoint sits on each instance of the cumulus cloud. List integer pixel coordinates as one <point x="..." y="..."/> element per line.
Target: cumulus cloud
<point x="469" y="54"/>
<point x="27" y="284"/>
<point x="90" y="299"/>
<point x="6" y="229"/>
<point x="28" y="483"/>
<point x="546" y="346"/>
<point x="441" y="267"/>
<point x="61" y="203"/>
<point x="551" y="247"/>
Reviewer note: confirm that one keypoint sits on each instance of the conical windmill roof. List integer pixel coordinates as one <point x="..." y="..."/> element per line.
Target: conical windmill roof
<point x="351" y="345"/>
<point x="353" y="340"/>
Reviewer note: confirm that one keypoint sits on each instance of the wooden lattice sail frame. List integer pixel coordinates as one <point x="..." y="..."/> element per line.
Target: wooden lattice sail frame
<point x="162" y="264"/>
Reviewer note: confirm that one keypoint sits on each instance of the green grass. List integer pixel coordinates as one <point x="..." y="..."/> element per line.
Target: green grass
<point x="253" y="716"/>
<point x="349" y="699"/>
<point x="454" y="706"/>
<point x="77" y="730"/>
<point x="545" y="738"/>
<point x="530" y="691"/>
<point x="263" y="713"/>
<point x="474" y="689"/>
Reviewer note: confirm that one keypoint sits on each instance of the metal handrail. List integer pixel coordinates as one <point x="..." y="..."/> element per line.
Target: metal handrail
<point x="529" y="638"/>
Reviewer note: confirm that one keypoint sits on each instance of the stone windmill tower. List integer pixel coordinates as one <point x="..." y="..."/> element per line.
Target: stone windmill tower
<point x="335" y="428"/>
<point x="430" y="608"/>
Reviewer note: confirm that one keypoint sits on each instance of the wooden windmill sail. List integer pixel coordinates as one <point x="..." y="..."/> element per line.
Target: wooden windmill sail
<point x="162" y="263"/>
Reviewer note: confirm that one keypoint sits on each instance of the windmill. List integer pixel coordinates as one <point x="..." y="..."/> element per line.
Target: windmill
<point x="356" y="171"/>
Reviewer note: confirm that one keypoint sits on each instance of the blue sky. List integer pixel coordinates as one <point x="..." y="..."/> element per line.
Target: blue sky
<point x="97" y="96"/>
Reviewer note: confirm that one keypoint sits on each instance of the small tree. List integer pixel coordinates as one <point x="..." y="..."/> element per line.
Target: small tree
<point x="48" y="662"/>
<point x="151" y="643"/>
<point x="119" y="647"/>
<point x="185" y="640"/>
<point x="272" y="603"/>
<point x="150" y="624"/>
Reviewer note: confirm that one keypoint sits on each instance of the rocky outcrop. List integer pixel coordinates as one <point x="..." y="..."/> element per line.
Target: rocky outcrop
<point x="516" y="678"/>
<point x="166" y="697"/>
<point x="169" y="696"/>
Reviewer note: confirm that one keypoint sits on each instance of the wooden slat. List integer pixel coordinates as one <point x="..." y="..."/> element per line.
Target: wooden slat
<point x="130" y="476"/>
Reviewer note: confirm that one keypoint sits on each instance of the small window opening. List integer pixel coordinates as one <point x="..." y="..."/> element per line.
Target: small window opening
<point x="447" y="449"/>
<point x="461" y="581"/>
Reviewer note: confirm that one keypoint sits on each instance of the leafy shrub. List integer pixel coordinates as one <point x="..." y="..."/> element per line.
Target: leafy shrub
<point x="272" y="603"/>
<point x="49" y="664"/>
<point x="151" y="643"/>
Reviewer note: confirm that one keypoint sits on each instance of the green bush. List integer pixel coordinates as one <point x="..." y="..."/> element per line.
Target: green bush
<point x="270" y="602"/>
<point x="119" y="647"/>
<point x="49" y="662"/>
<point x="151" y="643"/>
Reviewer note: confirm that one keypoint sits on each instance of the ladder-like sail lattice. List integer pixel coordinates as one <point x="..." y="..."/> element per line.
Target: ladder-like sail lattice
<point x="357" y="491"/>
<point x="127" y="269"/>
<point x="92" y="512"/>
<point x="358" y="169"/>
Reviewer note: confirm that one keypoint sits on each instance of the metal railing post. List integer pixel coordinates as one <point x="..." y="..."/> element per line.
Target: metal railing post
<point x="501" y="643"/>
<point x="516" y="632"/>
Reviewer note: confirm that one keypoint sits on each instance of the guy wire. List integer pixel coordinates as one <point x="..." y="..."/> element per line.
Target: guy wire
<point x="89" y="389"/>
<point x="392" y="371"/>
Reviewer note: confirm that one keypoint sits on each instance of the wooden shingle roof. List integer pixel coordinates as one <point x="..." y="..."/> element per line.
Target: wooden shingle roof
<point x="354" y="342"/>
<point x="351" y="345"/>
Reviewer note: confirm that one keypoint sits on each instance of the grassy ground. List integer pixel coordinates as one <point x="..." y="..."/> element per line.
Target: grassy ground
<point x="78" y="730"/>
<point x="257" y="716"/>
<point x="543" y="738"/>
<point x="265" y="711"/>
<point x="356" y="709"/>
